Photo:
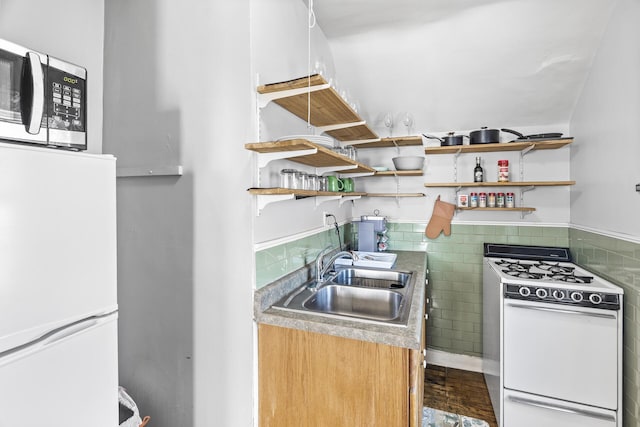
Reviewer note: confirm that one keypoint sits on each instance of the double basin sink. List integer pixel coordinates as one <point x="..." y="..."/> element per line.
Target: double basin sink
<point x="372" y="295"/>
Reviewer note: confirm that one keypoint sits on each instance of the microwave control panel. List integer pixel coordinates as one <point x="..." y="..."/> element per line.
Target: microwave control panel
<point x="66" y="101"/>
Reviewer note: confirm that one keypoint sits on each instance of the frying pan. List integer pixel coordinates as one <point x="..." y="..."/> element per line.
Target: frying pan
<point x="449" y="139"/>
<point x="522" y="137"/>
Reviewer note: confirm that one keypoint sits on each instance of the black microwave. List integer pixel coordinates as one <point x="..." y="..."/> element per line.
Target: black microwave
<point x="43" y="100"/>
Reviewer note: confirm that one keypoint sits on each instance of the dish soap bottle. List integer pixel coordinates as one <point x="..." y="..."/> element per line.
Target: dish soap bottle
<point x="478" y="172"/>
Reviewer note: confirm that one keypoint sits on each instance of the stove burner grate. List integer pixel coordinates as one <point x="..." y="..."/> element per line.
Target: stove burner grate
<point x="554" y="268"/>
<point x="524" y="274"/>
<point x="570" y="278"/>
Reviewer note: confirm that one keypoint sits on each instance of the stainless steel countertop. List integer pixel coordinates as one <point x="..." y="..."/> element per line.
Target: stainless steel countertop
<point x="399" y="336"/>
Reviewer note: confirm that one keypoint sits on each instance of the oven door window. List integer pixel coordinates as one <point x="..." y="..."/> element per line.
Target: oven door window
<point x="10" y="77"/>
<point x="567" y="353"/>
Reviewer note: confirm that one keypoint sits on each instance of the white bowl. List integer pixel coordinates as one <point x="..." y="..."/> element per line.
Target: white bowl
<point x="408" y="163"/>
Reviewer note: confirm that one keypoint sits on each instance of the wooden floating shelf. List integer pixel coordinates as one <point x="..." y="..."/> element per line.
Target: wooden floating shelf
<point x="309" y="193"/>
<point x="417" y="172"/>
<point x="395" y="195"/>
<point x="323" y="158"/>
<point x="400" y="141"/>
<point x="503" y="146"/>
<point x="498" y="209"/>
<point x="327" y="109"/>
<point x="501" y="184"/>
<point x="303" y="193"/>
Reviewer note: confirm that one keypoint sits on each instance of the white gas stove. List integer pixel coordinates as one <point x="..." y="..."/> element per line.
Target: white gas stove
<point x="552" y="339"/>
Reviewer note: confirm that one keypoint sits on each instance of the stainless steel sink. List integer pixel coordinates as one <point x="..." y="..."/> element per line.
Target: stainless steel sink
<point x="368" y="303"/>
<point x="370" y="278"/>
<point x="357" y="293"/>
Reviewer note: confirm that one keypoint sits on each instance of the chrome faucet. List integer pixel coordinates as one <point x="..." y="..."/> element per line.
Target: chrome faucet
<point x="322" y="268"/>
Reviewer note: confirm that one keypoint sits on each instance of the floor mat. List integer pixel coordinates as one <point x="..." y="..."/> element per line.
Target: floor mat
<point x="436" y="418"/>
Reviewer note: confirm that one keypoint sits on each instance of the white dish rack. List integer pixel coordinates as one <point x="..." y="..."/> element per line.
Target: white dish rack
<point x="369" y="259"/>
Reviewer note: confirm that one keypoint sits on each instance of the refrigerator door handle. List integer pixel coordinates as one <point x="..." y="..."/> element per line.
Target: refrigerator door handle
<point x="67" y="331"/>
<point x="57" y="335"/>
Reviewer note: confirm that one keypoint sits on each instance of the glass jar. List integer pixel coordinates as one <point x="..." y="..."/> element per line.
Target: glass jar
<point x="300" y="180"/>
<point x="322" y="183"/>
<point x="312" y="182"/>
<point x="287" y="178"/>
<point x="500" y="200"/>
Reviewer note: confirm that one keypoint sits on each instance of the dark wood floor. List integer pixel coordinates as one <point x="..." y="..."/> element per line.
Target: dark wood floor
<point x="459" y="392"/>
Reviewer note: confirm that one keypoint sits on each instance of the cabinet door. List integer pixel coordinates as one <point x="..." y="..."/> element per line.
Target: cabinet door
<point x="311" y="379"/>
<point x="416" y="379"/>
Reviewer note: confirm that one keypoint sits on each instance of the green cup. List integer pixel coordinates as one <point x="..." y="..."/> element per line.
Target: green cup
<point x="334" y="184"/>
<point x="348" y="185"/>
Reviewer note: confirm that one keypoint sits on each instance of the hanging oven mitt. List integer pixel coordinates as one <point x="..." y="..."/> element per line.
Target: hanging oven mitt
<point x="440" y="219"/>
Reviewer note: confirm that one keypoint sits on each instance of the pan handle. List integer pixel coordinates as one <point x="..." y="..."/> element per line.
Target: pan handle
<point x="513" y="132"/>
<point x="432" y="137"/>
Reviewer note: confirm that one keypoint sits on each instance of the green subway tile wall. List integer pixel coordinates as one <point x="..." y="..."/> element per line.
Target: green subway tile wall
<point x="618" y="261"/>
<point x="455" y="275"/>
<point x="280" y="260"/>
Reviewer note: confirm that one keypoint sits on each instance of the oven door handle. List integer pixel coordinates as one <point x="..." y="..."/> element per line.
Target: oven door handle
<point x="561" y="408"/>
<point x="564" y="311"/>
<point x="37" y="94"/>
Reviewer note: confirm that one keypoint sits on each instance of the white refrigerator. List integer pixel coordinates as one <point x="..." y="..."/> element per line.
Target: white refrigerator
<point x="58" y="305"/>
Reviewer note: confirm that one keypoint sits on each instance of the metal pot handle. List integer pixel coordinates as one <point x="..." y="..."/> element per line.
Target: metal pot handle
<point x="432" y="137"/>
<point x="518" y="134"/>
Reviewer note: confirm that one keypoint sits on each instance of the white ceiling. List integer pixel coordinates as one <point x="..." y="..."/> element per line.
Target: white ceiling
<point x="462" y="64"/>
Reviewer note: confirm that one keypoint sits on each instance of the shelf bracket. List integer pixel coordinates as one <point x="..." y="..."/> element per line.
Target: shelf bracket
<point x="348" y="198"/>
<point x="522" y="191"/>
<point x="321" y="199"/>
<point x="265" y="158"/>
<point x="393" y="141"/>
<point x="526" y="151"/>
<point x="320" y="171"/>
<point x="339" y="126"/>
<point x="455" y="165"/>
<point x="262" y="200"/>
<point x="357" y="175"/>
<point x="265" y="98"/>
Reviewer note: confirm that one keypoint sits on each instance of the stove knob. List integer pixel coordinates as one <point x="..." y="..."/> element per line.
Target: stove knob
<point x="595" y="298"/>
<point x="524" y="291"/>
<point x="541" y="293"/>
<point x="559" y="295"/>
<point x="576" y="296"/>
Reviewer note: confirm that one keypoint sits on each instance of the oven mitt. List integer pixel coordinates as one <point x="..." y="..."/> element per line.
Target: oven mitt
<point x="440" y="219"/>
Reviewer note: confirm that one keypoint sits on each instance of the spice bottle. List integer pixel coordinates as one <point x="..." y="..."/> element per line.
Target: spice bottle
<point x="503" y="170"/>
<point x="510" y="201"/>
<point x="491" y="200"/>
<point x="482" y="200"/>
<point x="500" y="200"/>
<point x="473" y="200"/>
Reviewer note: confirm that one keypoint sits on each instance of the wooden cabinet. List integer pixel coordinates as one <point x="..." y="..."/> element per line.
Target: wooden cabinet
<point x="312" y="379"/>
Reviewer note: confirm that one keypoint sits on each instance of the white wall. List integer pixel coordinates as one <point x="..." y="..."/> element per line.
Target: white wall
<point x="606" y="123"/>
<point x="72" y="31"/>
<point x="279" y="39"/>
<point x="178" y="90"/>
